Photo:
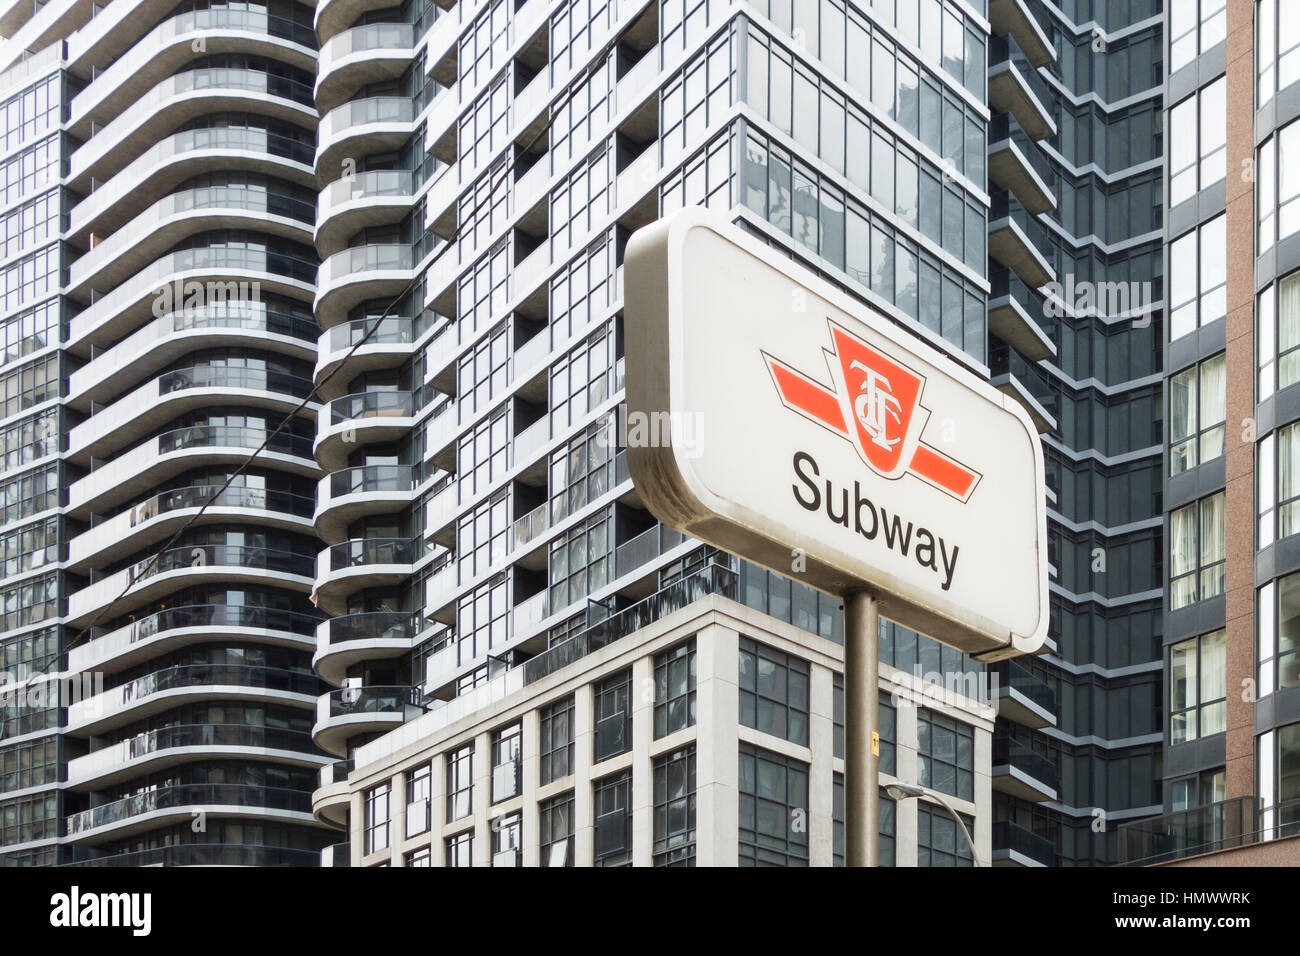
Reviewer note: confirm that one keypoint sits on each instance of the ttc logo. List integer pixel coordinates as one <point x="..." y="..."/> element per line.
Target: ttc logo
<point x="875" y="403"/>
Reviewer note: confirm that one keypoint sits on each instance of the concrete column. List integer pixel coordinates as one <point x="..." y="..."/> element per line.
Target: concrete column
<point x="396" y="819"/>
<point x="584" y="721"/>
<point x="482" y="855"/>
<point x="357" y="827"/>
<point x="821" y="775"/>
<point x="643" y="700"/>
<point x="438" y="809"/>
<point x="531" y="848"/>
<point x="908" y="770"/>
<point x="717" y="745"/>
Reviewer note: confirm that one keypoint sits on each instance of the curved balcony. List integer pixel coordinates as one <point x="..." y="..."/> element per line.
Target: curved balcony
<point x="179" y="216"/>
<point x="208" y="854"/>
<point x="376" y="124"/>
<point x="166" y="747"/>
<point x="152" y="578"/>
<point x="332" y="800"/>
<point x="173" y="686"/>
<point x="235" y="324"/>
<point x="177" y="627"/>
<point x="350" y="277"/>
<point x="362" y="419"/>
<point x="172" y="44"/>
<point x="335" y="16"/>
<point x="162" y="515"/>
<point x="387" y="347"/>
<point x="354" y="711"/>
<point x="358" y="57"/>
<point x="174" y="393"/>
<point x="353" y="638"/>
<point x="180" y="98"/>
<point x="336" y="854"/>
<point x="350" y="494"/>
<point x="346" y="568"/>
<point x="163" y="805"/>
<point x="378" y="197"/>
<point x="135" y="473"/>
<point x="215" y="273"/>
<point x="181" y="156"/>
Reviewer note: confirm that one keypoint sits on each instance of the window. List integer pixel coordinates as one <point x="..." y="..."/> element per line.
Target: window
<point x="773" y="809"/>
<point x="420" y="858"/>
<point x="1198" y="278"/>
<point x="1278" y="623"/>
<point x="460" y="849"/>
<point x="674" y="808"/>
<point x="507" y="836"/>
<point x="507" y="759"/>
<point x="613" y="706"/>
<point x="377" y="819"/>
<point x="773" y="692"/>
<point x="555" y="829"/>
<point x="946" y="749"/>
<point x="1277" y="480"/>
<point x="1277" y="47"/>
<point x="1278" y="329"/>
<point x="460" y="783"/>
<point x="675" y="689"/>
<point x="1199" y="790"/>
<point x="1198" y="142"/>
<point x="1194" y="27"/>
<point x="1197" y="688"/>
<point x="886" y="718"/>
<point x="939" y="840"/>
<point x="557" y="741"/>
<point x="419" y="792"/>
<point x="1278" y="186"/>
<point x="1198" y="408"/>
<point x="1278" y="759"/>
<point x="613" y="833"/>
<point x="1197" y="551"/>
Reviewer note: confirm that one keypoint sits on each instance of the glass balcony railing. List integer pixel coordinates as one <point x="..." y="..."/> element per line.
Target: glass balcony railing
<point x="205" y="854"/>
<point x="1012" y="836"/>
<point x="338" y="854"/>
<point x="227" y="556"/>
<point x="371" y="36"/>
<point x="187" y="796"/>
<point x="195" y="675"/>
<point x="1014" y="674"/>
<point x="219" y="376"/>
<point x="368" y="405"/>
<point x="644" y="548"/>
<point x="370" y="626"/>
<point x="188" y="735"/>
<point x="361" y="552"/>
<point x="1003" y="126"/>
<point x="370" y="478"/>
<point x="1010" y="753"/>
<point x="196" y="496"/>
<point x="349" y="701"/>
<point x="1174" y="836"/>
<point x="711" y="579"/>
<point x="1004" y="49"/>
<point x="234" y="436"/>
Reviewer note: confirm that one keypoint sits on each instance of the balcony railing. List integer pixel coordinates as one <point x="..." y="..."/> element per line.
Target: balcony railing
<point x="361" y="552"/>
<point x="1012" y="836"/>
<point x="1008" y="752"/>
<point x="188" y="735"/>
<point x="224" y="555"/>
<point x="644" y="548"/>
<point x="1017" y="676"/>
<point x="196" y="496"/>
<point x="369" y="700"/>
<point x="370" y="478"/>
<point x="711" y="579"/>
<point x="233" y="436"/>
<point x="370" y="626"/>
<point x="368" y="405"/>
<point x="185" y="796"/>
<point x="205" y="854"/>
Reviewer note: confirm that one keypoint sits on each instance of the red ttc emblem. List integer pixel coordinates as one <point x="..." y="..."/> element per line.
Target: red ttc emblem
<point x="874" y="402"/>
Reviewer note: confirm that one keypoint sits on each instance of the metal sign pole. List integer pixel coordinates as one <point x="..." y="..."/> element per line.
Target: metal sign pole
<point x="861" y="743"/>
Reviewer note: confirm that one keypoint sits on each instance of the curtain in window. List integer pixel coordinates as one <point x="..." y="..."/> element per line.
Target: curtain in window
<point x="1182" y="557"/>
<point x="1214" y="683"/>
<point x="1288" y="485"/>
<point x="1288" y="330"/>
<point x="1214" y="406"/>
<point x="1182" y="406"/>
<point x="1213" y="546"/>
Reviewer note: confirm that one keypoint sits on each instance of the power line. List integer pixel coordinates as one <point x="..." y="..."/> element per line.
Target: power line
<point x="505" y="170"/>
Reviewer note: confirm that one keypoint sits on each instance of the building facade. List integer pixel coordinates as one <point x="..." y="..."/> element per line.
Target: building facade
<point x="399" y="230"/>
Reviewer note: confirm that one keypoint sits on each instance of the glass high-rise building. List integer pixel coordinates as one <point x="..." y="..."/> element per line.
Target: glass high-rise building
<point x="399" y="231"/>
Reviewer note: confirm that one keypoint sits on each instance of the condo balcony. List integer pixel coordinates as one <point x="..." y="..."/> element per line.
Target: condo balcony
<point x="172" y="44"/>
<point x="1016" y="87"/>
<point x="235" y="324"/>
<point x="174" y="393"/>
<point x="1015" y="313"/>
<point x="179" y="157"/>
<point x="1027" y="22"/>
<point x="1017" y="165"/>
<point x="173" y="686"/>
<point x="1214" y="828"/>
<point x="1026" y="383"/>
<point x="156" y="750"/>
<point x="133" y="474"/>
<point x="180" y="98"/>
<point x="160" y="516"/>
<point x="152" y="578"/>
<point x="179" y="216"/>
<point x="1014" y="845"/>
<point x="176" y="627"/>
<point x="376" y="124"/>
<point x="1018" y="241"/>
<point x="378" y="197"/>
<point x="336" y="854"/>
<point x="371" y="53"/>
<point x="1022" y="773"/>
<point x="387" y="347"/>
<point x="335" y="16"/>
<point x="344" y="569"/>
<point x="354" y="638"/>
<point x="362" y="419"/>
<point x="350" y="494"/>
<point x="348" y="278"/>
<point x="1023" y="697"/>
<point x="354" y="711"/>
<point x="160" y="806"/>
<point x="206" y="854"/>
<point x="330" y="804"/>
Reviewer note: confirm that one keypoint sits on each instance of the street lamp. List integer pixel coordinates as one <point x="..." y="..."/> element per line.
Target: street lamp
<point x="907" y="791"/>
